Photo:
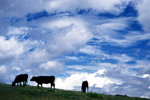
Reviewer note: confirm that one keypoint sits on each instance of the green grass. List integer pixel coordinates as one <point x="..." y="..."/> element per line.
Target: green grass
<point x="7" y="92"/>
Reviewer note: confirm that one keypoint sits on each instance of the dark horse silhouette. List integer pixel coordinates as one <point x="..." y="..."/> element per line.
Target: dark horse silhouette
<point x="20" y="78"/>
<point x="84" y="86"/>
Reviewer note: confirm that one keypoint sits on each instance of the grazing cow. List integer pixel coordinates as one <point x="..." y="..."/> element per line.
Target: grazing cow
<point x="84" y="86"/>
<point x="20" y="78"/>
<point x="121" y="95"/>
<point x="44" y="79"/>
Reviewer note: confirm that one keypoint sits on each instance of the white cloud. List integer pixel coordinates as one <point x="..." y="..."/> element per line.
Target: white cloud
<point x="16" y="30"/>
<point x="52" y="66"/>
<point x="90" y="50"/>
<point x="49" y="65"/>
<point x="73" y="69"/>
<point x="146" y="95"/>
<point x="71" y="58"/>
<point x="77" y="79"/>
<point x="22" y="8"/>
<point x="63" y="39"/>
<point x="3" y="69"/>
<point x="96" y="5"/>
<point x="131" y="86"/>
<point x="123" y="58"/>
<point x="67" y="37"/>
<point x="17" y="8"/>
<point x="144" y="13"/>
<point x="107" y="33"/>
<point x="38" y="55"/>
<point x="113" y="26"/>
<point x="16" y="68"/>
<point x="67" y="33"/>
<point x="10" y="48"/>
<point x="144" y="67"/>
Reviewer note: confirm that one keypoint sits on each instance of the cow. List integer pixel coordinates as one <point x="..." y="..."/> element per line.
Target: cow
<point x="20" y="78"/>
<point x="44" y="79"/>
<point x="121" y="95"/>
<point x="84" y="86"/>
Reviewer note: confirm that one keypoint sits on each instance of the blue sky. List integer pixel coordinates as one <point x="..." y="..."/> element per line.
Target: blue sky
<point x="102" y="41"/>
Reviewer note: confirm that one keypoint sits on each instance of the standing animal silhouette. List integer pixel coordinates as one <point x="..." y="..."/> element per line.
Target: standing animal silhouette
<point x="84" y="86"/>
<point x="20" y="78"/>
<point x="44" y="80"/>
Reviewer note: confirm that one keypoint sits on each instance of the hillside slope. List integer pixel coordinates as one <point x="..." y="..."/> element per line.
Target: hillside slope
<point x="7" y="92"/>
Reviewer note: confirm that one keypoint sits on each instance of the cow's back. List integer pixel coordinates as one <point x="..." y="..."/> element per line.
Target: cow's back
<point x="21" y="77"/>
<point x="84" y="84"/>
<point x="45" y="79"/>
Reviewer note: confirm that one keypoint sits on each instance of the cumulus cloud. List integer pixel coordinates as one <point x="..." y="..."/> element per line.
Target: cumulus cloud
<point x="17" y="30"/>
<point x="9" y="49"/>
<point x="96" y="5"/>
<point x="144" y="13"/>
<point x="62" y="38"/>
<point x="52" y="66"/>
<point x="75" y="80"/>
<point x="3" y="69"/>
<point x="72" y="35"/>
<point x="15" y="8"/>
<point x="130" y="84"/>
<point x="102" y="82"/>
<point x="90" y="50"/>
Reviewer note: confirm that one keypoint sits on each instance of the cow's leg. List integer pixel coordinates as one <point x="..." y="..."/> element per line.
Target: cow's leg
<point x="38" y="85"/>
<point x="20" y="83"/>
<point x="24" y="83"/>
<point x="41" y="85"/>
<point x="51" y="85"/>
<point x="17" y="84"/>
<point x="84" y="89"/>
<point x="54" y="85"/>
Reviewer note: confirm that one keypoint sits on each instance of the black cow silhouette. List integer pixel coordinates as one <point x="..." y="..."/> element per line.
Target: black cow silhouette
<point x="20" y="78"/>
<point x="121" y="95"/>
<point x="44" y="79"/>
<point x="84" y="86"/>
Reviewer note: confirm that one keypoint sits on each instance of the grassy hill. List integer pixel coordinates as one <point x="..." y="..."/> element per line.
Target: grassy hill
<point x="7" y="92"/>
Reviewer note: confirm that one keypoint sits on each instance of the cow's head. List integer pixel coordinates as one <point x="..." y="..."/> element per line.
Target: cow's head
<point x="13" y="83"/>
<point x="32" y="79"/>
